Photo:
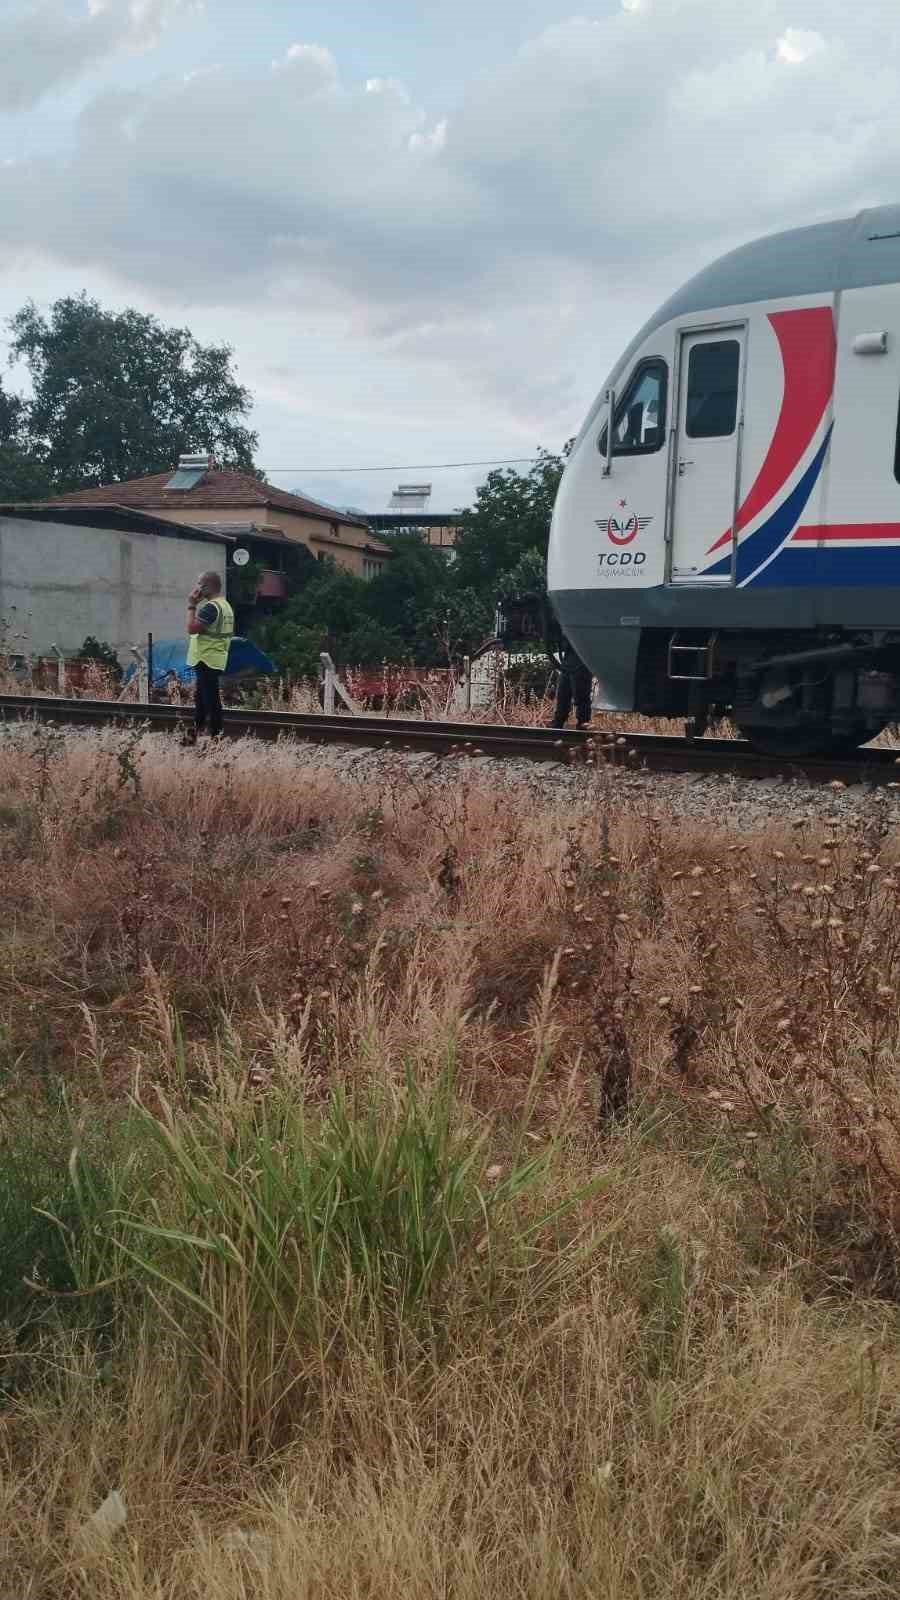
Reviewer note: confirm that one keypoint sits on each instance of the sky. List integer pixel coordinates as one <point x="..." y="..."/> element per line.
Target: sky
<point x="427" y="230"/>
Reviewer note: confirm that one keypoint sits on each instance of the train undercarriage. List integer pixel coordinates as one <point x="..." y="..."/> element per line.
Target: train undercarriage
<point x="810" y="693"/>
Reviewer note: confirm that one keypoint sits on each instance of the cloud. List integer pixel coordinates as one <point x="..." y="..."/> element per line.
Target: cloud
<point x="796" y="45"/>
<point x="44" y="46"/>
<point x="570" y="188"/>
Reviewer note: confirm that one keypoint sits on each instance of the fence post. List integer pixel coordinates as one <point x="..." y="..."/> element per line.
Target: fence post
<point x="333" y="686"/>
<point x="467" y="680"/>
<point x="141" y="685"/>
<point x="328" y="683"/>
<point x="60" y="669"/>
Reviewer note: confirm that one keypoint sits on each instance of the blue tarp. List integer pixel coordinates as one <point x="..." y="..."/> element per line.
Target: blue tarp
<point x="170" y="660"/>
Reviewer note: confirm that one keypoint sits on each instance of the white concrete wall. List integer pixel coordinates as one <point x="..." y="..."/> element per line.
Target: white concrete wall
<point x="58" y="583"/>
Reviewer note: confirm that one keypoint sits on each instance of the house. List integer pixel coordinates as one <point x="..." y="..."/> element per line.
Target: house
<point x="117" y="561"/>
<point x="408" y="512"/>
<point x="272" y="523"/>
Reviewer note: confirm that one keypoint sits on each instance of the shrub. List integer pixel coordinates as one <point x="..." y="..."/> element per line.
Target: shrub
<point x="97" y="650"/>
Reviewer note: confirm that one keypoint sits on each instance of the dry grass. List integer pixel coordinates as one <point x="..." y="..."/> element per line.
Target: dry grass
<point x="509" y="1209"/>
<point x="433" y="700"/>
<point x="436" y="700"/>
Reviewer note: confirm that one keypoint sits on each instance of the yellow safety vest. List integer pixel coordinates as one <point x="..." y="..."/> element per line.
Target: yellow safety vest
<point x="211" y="646"/>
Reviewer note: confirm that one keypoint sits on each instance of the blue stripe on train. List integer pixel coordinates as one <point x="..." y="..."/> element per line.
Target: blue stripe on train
<point x="766" y="539"/>
<point x="859" y="567"/>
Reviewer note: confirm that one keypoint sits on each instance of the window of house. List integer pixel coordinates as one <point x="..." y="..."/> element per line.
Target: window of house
<point x="712" y="389"/>
<point x="371" y="568"/>
<point x="640" y="422"/>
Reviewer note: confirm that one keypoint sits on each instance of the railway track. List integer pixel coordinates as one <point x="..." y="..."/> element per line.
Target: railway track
<point x="655" y="752"/>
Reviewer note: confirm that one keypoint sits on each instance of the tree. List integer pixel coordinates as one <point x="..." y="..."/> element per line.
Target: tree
<point x="22" y="476"/>
<point x="458" y="622"/>
<point x="11" y="407"/>
<point x="322" y="616"/>
<point x="370" y="643"/>
<point x="394" y="617"/>
<point x="332" y="600"/>
<point x="528" y="576"/>
<point x="408" y="590"/>
<point x="117" y="395"/>
<point x="510" y="517"/>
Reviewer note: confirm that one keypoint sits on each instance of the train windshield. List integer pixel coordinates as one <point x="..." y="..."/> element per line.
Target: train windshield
<point x="641" y="413"/>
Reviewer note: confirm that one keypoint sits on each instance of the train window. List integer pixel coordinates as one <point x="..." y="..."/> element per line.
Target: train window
<point x="640" y="423"/>
<point x="712" y="389"/>
<point x="897" y="450"/>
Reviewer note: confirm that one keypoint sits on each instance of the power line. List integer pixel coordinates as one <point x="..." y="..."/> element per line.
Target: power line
<point x="426" y="466"/>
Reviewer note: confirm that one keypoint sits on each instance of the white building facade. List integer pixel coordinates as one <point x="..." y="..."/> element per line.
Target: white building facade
<point x="112" y="573"/>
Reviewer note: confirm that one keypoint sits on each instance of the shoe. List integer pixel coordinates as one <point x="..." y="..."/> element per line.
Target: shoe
<point x="581" y="726"/>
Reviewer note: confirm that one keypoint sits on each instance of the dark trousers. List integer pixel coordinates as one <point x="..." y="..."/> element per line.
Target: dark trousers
<point x="574" y="683"/>
<point x="207" y="705"/>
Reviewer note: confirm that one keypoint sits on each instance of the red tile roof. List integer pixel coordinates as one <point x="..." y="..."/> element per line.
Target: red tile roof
<point x="218" y="487"/>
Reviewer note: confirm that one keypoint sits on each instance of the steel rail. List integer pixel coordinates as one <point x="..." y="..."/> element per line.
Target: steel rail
<point x="655" y="752"/>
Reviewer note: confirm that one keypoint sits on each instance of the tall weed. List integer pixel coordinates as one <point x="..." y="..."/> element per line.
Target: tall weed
<point x="278" y="1238"/>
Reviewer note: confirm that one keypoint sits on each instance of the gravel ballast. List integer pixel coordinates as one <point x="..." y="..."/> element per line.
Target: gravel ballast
<point x="718" y="799"/>
<point x="721" y="799"/>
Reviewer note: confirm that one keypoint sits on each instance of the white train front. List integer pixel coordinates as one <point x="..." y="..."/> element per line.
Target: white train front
<point x="736" y="548"/>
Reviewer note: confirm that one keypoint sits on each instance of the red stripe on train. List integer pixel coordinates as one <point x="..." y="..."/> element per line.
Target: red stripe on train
<point x="811" y="533"/>
<point x="807" y="346"/>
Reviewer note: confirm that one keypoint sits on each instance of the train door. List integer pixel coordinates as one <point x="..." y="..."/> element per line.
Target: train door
<point x="707" y="454"/>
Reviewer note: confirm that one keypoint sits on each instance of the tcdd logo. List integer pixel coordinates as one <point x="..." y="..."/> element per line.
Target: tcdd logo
<point x="622" y="532"/>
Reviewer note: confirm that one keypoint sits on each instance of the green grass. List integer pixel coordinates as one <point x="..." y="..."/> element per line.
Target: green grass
<point x="274" y="1237"/>
<point x="61" y="1183"/>
<point x="278" y="1238"/>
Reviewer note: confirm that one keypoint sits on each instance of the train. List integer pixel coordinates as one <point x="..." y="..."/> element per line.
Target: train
<point x="725" y="541"/>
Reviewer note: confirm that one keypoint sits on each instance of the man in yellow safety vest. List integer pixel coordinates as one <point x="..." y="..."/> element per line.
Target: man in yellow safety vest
<point x="210" y="625"/>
